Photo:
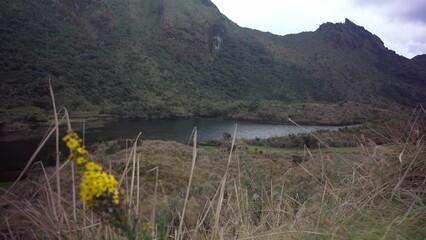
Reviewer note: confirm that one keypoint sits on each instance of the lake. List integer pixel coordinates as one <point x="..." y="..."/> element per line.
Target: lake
<point x="16" y="149"/>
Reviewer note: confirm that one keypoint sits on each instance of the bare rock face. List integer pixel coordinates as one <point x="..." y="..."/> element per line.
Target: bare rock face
<point x="204" y="45"/>
<point x="193" y="31"/>
<point x="216" y="35"/>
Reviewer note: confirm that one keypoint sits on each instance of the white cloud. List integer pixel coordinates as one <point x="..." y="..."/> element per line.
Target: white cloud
<point x="390" y="20"/>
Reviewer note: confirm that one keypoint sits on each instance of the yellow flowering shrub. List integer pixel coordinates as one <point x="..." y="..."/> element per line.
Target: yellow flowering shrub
<point x="99" y="190"/>
<point x="96" y="184"/>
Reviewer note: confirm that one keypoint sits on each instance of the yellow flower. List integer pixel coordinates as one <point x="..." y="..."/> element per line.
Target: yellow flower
<point x="91" y="166"/>
<point x="96" y="183"/>
<point x="82" y="151"/>
<point x="88" y="175"/>
<point x="81" y="160"/>
<point x="66" y="138"/>
<point x="146" y="228"/>
<point x="72" y="144"/>
<point x="115" y="197"/>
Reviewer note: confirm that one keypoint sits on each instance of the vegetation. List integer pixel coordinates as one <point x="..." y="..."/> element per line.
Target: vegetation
<point x="170" y="59"/>
<point x="369" y="192"/>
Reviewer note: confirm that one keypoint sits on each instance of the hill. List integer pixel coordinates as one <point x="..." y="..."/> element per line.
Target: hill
<point x="166" y="59"/>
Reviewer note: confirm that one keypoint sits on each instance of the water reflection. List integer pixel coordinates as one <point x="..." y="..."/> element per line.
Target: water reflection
<point x="15" y="150"/>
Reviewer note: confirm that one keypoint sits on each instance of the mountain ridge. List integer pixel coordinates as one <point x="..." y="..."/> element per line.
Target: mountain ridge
<point x="171" y="58"/>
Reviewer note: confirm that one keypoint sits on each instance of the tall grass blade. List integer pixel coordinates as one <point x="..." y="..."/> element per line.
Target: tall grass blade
<point x="74" y="204"/>
<point x="138" y="186"/>
<point x="55" y="114"/>
<point x="216" y="230"/>
<point x="128" y="161"/>
<point x="84" y="131"/>
<point x="154" y="209"/>
<point x="194" y="156"/>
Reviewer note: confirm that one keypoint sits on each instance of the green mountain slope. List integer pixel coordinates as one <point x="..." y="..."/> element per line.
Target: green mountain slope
<point x="171" y="58"/>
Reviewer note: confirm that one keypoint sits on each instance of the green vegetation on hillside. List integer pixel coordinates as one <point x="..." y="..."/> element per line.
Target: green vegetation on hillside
<point x="167" y="59"/>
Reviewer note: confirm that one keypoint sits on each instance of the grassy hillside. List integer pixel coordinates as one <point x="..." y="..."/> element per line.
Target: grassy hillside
<point x="146" y="58"/>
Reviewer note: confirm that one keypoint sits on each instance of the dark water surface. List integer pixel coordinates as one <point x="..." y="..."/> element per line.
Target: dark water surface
<point x="16" y="149"/>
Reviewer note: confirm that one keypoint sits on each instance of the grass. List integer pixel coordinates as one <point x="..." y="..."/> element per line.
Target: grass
<point x="366" y="192"/>
<point x="301" y="196"/>
<point x="264" y="149"/>
<point x="210" y="148"/>
<point x="372" y="225"/>
<point x="291" y="211"/>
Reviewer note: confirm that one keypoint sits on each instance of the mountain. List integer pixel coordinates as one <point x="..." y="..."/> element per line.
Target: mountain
<point x="171" y="58"/>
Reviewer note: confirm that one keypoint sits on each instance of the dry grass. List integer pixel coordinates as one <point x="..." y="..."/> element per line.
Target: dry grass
<point x="376" y="193"/>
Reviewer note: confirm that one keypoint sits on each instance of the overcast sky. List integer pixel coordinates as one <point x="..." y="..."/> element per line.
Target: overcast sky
<point x="401" y="24"/>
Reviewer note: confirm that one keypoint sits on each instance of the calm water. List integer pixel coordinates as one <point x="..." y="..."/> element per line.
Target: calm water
<point x="15" y="150"/>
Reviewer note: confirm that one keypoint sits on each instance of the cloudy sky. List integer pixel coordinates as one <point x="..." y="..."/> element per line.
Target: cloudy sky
<point x="401" y="24"/>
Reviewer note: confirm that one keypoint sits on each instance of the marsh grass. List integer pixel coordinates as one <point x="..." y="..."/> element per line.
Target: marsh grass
<point x="187" y="192"/>
<point x="265" y="149"/>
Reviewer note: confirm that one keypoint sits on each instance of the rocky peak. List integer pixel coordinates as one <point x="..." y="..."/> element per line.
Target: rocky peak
<point x="350" y="35"/>
<point x="351" y="24"/>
